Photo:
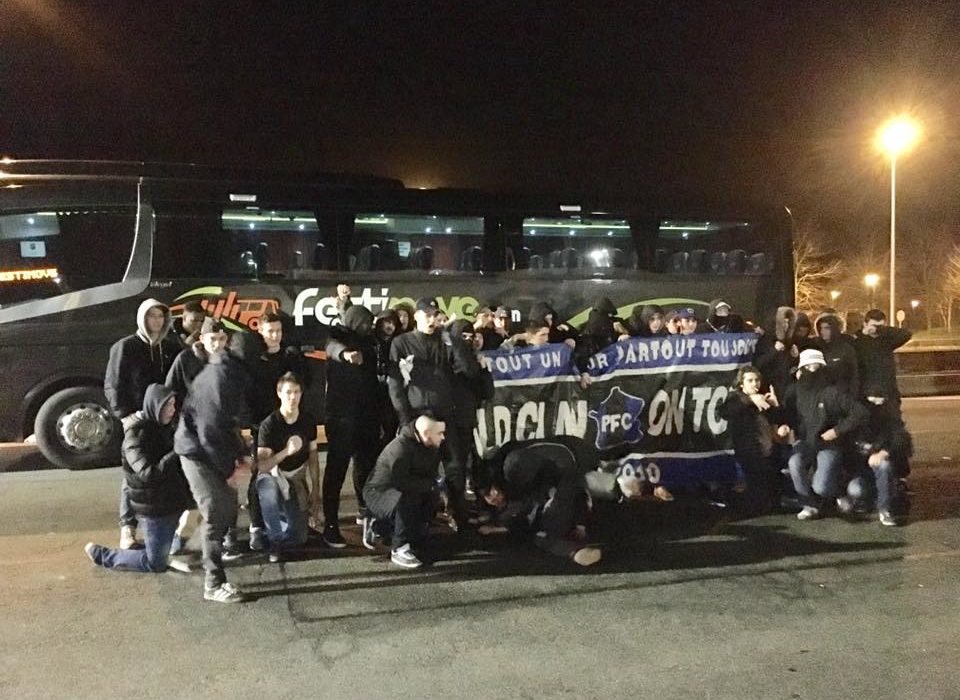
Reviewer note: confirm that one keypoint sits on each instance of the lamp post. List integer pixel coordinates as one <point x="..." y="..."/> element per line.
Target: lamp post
<point x="895" y="137"/>
<point x="834" y="295"/>
<point x="871" y="280"/>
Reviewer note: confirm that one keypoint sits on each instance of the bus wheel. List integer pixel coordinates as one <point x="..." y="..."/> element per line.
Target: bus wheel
<point x="75" y="429"/>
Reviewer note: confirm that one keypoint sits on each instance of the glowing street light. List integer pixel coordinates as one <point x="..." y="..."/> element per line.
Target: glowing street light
<point x="871" y="280"/>
<point x="834" y="295"/>
<point x="914" y="304"/>
<point x="895" y="137"/>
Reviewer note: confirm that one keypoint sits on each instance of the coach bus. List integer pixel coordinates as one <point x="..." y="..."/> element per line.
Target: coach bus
<point x="83" y="243"/>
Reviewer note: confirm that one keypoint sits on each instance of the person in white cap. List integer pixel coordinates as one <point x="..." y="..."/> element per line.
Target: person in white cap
<point x="824" y="419"/>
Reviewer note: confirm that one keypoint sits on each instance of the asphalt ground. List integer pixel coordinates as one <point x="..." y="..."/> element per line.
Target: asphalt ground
<point x="686" y="604"/>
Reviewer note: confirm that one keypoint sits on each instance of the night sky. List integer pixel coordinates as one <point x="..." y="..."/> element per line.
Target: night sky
<point x="738" y="101"/>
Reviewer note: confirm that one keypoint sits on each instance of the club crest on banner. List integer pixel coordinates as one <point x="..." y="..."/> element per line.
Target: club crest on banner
<point x="618" y="419"/>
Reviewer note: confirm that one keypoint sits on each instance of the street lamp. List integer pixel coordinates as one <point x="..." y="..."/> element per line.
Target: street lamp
<point x="834" y="295"/>
<point x="895" y="137"/>
<point x="871" y="280"/>
<point x="914" y="304"/>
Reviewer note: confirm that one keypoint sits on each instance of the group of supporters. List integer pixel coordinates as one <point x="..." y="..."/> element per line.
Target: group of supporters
<point x="402" y="389"/>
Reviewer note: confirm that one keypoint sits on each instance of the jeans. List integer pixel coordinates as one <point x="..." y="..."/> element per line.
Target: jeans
<point x="408" y="512"/>
<point x="873" y="484"/>
<point x="157" y="535"/>
<point x="823" y="484"/>
<point x="217" y="503"/>
<point x="127" y="516"/>
<point x="283" y="518"/>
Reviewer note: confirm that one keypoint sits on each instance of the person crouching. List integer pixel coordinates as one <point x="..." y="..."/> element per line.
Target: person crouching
<point x="159" y="493"/>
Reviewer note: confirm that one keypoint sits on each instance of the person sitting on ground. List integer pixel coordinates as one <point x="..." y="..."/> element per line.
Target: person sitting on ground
<point x="399" y="492"/>
<point x="539" y="487"/>
<point x="824" y="420"/>
<point x="288" y="471"/>
<point x="752" y="416"/>
<point x="159" y="493"/>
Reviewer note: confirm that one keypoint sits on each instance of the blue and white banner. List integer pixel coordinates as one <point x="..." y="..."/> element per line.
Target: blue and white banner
<point x="653" y="404"/>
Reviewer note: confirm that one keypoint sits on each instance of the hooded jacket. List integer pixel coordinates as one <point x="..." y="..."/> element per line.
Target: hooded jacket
<point x="469" y="391"/>
<point x="639" y="323"/>
<point x="839" y="353"/>
<point x="731" y="323"/>
<point x="352" y="389"/>
<point x="184" y="370"/>
<point x="538" y="314"/>
<point x="595" y="335"/>
<point x="422" y="369"/>
<point x="383" y="341"/>
<point x="814" y="405"/>
<point x="405" y="464"/>
<point x="213" y="414"/>
<point x="137" y="361"/>
<point x="775" y="364"/>
<point x="150" y="466"/>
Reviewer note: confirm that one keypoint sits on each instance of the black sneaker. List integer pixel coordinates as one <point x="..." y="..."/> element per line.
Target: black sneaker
<point x="333" y="538"/>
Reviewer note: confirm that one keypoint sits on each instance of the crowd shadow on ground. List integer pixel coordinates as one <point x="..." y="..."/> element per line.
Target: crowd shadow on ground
<point x="669" y="542"/>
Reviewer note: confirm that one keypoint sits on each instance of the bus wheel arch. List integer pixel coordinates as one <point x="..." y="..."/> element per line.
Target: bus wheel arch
<point x="75" y="429"/>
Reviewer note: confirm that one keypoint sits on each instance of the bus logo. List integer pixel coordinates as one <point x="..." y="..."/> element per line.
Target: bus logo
<point x="235" y="312"/>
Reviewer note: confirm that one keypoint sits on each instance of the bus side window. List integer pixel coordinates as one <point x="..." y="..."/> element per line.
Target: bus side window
<point x="418" y="242"/>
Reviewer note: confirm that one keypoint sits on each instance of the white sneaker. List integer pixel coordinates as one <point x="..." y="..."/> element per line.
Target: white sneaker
<point x="405" y="557"/>
<point x="257" y="539"/>
<point x="178" y="565"/>
<point x="88" y="548"/>
<point x="844" y="505"/>
<point x="808" y="513"/>
<point x="224" y="593"/>
<point x="587" y="556"/>
<point x="886" y="518"/>
<point x="128" y="537"/>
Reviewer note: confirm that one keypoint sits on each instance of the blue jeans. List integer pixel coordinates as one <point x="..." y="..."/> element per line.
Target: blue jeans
<point x="823" y="483"/>
<point x="873" y="484"/>
<point x="283" y="518"/>
<point x="158" y="534"/>
<point x="127" y="516"/>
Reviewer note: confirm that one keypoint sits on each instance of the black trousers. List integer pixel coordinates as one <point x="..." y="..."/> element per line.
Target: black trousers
<point x="455" y="459"/>
<point x="407" y="513"/>
<point x="348" y="437"/>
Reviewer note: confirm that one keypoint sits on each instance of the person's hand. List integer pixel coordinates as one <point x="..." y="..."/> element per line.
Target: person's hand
<point x="772" y="399"/>
<point x="876" y="400"/>
<point x="571" y="343"/>
<point x="353" y="357"/>
<point x="779" y="346"/>
<point x="760" y="401"/>
<point x="585" y="381"/>
<point x="343" y="291"/>
<point x="794" y="351"/>
<point x="579" y="533"/>
<point x="878" y="458"/>
<point x="759" y="331"/>
<point x="492" y="530"/>
<point x="783" y="431"/>
<point x="620" y="328"/>
<point x="623" y="336"/>
<point x="563" y="327"/>
<point x="294" y="443"/>
<point x="830" y="435"/>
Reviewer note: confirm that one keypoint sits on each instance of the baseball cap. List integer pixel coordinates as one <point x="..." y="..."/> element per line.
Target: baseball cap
<point x="721" y="303"/>
<point x="427" y="305"/>
<point x="810" y="357"/>
<point x="687" y="313"/>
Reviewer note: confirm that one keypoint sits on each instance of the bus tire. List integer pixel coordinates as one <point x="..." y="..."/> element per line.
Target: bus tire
<point x="76" y="430"/>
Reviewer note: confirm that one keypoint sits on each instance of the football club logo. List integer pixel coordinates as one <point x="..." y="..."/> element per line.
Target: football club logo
<point x="618" y="419"/>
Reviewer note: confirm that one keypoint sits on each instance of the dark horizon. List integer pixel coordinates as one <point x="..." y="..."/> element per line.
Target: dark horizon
<point x="721" y="101"/>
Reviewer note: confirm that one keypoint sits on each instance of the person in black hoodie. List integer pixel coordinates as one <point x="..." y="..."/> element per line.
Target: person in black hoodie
<point x="838" y="352"/>
<point x="647" y="321"/>
<point x="353" y="426"/>
<point x="423" y="365"/>
<point x="721" y="319"/>
<point x="802" y="331"/>
<point x="776" y="352"/>
<point x="825" y="421"/>
<point x="158" y="490"/>
<point x="543" y="315"/>
<point x="399" y="492"/>
<point x="136" y="362"/>
<point x="469" y="392"/>
<point x="885" y="448"/>
<point x="213" y="339"/>
<point x="539" y="486"/>
<point x="212" y="450"/>
<point x="386" y="328"/>
<point x="752" y="417"/>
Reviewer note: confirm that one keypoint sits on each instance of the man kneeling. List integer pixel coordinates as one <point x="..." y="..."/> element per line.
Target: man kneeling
<point x="541" y="488"/>
<point x="399" y="492"/>
<point x="159" y="493"/>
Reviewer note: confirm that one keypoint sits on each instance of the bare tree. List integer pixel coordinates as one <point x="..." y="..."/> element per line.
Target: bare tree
<point x="951" y="284"/>
<point x="815" y="268"/>
<point x="926" y="269"/>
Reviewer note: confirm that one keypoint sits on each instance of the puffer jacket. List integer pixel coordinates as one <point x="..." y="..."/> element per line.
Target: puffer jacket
<point x="150" y="466"/>
<point x="839" y="354"/>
